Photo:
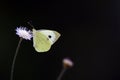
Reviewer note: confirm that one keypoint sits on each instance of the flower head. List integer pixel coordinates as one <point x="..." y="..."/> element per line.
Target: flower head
<point x="67" y="63"/>
<point x="24" y="33"/>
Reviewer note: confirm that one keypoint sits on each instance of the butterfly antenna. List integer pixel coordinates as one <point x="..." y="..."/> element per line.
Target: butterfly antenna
<point x="30" y="24"/>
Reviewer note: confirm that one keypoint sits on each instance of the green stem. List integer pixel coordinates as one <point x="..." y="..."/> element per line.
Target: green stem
<point x="14" y="59"/>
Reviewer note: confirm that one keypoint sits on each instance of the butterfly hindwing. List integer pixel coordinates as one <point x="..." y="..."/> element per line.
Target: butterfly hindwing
<point x="40" y="41"/>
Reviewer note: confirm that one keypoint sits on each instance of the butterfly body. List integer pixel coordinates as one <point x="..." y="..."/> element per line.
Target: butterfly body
<point x="43" y="39"/>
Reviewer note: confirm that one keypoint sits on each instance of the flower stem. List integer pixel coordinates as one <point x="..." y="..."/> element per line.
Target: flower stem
<point x="14" y="59"/>
<point x="61" y="73"/>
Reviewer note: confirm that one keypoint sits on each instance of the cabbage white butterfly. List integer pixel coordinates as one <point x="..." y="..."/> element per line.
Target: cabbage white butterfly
<point x="43" y="39"/>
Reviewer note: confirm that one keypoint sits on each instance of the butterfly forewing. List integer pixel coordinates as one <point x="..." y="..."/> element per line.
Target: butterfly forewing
<point x="51" y="34"/>
<point x="57" y="35"/>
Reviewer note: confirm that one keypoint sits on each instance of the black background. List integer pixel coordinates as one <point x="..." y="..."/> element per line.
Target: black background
<point x="90" y="37"/>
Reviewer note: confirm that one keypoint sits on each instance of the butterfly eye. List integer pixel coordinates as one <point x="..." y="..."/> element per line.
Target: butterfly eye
<point x="49" y="36"/>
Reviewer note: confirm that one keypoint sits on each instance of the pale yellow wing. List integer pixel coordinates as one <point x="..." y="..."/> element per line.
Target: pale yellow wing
<point x="57" y="35"/>
<point x="51" y="34"/>
<point x="41" y="42"/>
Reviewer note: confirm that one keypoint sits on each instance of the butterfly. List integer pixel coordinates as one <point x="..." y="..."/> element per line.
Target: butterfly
<point x="43" y="39"/>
